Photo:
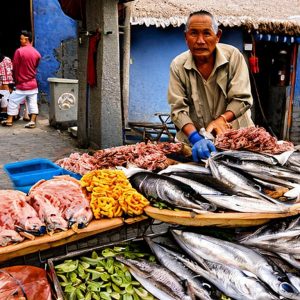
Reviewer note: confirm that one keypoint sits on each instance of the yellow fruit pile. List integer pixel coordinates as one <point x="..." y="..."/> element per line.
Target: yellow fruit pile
<point x="111" y="194"/>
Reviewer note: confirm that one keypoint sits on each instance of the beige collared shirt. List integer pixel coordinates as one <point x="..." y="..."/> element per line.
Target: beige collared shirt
<point x="196" y="100"/>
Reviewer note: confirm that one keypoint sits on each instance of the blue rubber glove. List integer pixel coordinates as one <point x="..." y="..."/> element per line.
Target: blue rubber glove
<point x="201" y="146"/>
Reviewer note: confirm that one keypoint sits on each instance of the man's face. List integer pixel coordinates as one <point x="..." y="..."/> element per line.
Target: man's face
<point x="24" y="40"/>
<point x="200" y="37"/>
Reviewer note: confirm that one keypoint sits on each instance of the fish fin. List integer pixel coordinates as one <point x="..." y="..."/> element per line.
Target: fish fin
<point x="190" y="290"/>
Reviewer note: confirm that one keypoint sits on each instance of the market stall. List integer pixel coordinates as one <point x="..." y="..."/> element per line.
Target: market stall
<point x="117" y="196"/>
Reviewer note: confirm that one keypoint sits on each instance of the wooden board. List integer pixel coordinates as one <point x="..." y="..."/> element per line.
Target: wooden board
<point x="60" y="238"/>
<point x="232" y="219"/>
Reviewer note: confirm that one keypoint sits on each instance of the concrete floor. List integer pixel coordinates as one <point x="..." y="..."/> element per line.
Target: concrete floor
<point x="44" y="141"/>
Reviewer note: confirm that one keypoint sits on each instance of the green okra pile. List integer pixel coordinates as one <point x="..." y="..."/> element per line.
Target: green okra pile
<point x="101" y="276"/>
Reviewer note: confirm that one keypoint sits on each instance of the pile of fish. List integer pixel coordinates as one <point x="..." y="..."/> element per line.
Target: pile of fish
<point x="233" y="181"/>
<point x="51" y="205"/>
<point x="200" y="266"/>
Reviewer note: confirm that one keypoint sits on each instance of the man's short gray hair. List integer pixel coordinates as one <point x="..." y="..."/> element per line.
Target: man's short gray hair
<point x="202" y="13"/>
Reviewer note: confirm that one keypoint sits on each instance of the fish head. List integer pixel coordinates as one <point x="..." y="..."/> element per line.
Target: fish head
<point x="139" y="265"/>
<point x="34" y="225"/>
<point x="55" y="221"/>
<point x="80" y="215"/>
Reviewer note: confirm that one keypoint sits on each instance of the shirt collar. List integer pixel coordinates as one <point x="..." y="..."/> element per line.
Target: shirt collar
<point x="220" y="60"/>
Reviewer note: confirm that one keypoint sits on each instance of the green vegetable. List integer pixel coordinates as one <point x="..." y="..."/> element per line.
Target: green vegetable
<point x="95" y="274"/>
<point x="94" y="286"/>
<point x="105" y="296"/>
<point x="128" y="276"/>
<point x="72" y="295"/>
<point x="91" y="261"/>
<point x="88" y="296"/>
<point x="127" y="297"/>
<point x="115" y="287"/>
<point x="69" y="289"/>
<point x="105" y="276"/>
<point x="79" y="294"/>
<point x="141" y="292"/>
<point x="108" y="252"/>
<point x="115" y="295"/>
<point x="67" y="266"/>
<point x="119" y="249"/>
<point x="95" y="296"/>
<point x="129" y="289"/>
<point x="117" y="279"/>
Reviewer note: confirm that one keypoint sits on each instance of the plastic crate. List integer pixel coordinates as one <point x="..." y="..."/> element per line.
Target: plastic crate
<point x="28" y="172"/>
<point x="75" y="175"/>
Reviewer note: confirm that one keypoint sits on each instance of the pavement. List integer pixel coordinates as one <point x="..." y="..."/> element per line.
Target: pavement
<point x="19" y="143"/>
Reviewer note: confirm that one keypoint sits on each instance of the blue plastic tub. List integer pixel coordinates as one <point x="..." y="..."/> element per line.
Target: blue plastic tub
<point x="25" y="189"/>
<point x="75" y="175"/>
<point x="28" y="172"/>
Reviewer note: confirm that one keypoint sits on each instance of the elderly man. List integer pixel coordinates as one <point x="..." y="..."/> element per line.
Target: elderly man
<point x="209" y="86"/>
<point x="25" y="63"/>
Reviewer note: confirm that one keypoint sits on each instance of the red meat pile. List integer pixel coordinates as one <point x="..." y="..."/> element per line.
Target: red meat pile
<point x="255" y="139"/>
<point x="150" y="156"/>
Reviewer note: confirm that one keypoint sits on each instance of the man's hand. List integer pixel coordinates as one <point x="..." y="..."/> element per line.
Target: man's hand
<point x="201" y="146"/>
<point x="218" y="126"/>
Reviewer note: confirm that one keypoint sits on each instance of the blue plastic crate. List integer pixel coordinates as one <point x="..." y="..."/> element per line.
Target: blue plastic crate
<point x="28" y="172"/>
<point x="25" y="189"/>
<point x="75" y="175"/>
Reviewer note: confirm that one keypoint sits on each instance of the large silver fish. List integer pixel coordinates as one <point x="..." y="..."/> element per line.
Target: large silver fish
<point x="245" y="156"/>
<point x="294" y="159"/>
<point x="169" y="259"/>
<point x="283" y="228"/>
<point x="232" y="281"/>
<point x="237" y="181"/>
<point x="158" y="280"/>
<point x="181" y="167"/>
<point x="280" y="236"/>
<point x="201" y="247"/>
<point x="198" y="187"/>
<point x="169" y="190"/>
<point x="246" y="204"/>
<point x="257" y="167"/>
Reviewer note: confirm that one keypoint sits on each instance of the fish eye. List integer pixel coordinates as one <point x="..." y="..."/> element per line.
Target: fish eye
<point x="287" y="287"/>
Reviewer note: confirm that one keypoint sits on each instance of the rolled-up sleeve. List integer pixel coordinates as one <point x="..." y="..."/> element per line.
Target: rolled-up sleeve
<point x="178" y="99"/>
<point x="238" y="88"/>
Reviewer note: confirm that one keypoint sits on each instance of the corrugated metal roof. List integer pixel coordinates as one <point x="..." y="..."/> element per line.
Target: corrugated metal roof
<point x="276" y="16"/>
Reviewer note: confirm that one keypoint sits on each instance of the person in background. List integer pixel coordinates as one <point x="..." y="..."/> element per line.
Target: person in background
<point x="25" y="62"/>
<point x="209" y="86"/>
<point x="6" y="79"/>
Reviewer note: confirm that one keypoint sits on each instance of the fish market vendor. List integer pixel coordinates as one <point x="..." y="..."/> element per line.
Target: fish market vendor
<point x="209" y="86"/>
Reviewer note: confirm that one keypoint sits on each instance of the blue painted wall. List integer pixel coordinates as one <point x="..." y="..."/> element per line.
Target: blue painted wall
<point x="152" y="50"/>
<point x="51" y="26"/>
<point x="296" y="102"/>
